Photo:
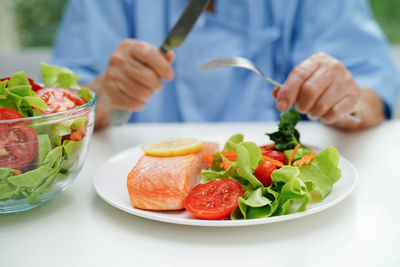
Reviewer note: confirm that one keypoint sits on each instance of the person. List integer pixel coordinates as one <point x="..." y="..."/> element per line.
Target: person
<point x="331" y="57"/>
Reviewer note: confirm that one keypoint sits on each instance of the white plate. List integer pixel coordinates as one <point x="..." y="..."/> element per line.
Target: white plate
<point x="110" y="183"/>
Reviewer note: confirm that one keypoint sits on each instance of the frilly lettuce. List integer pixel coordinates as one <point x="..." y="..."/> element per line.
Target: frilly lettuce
<point x="17" y="94"/>
<point x="55" y="76"/>
<point x="323" y="172"/>
<point x="249" y="156"/>
<point x="291" y="185"/>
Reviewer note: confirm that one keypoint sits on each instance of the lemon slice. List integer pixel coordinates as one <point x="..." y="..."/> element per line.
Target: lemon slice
<point x="173" y="147"/>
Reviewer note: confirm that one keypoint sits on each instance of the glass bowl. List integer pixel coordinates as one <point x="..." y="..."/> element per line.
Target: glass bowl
<point x="41" y="156"/>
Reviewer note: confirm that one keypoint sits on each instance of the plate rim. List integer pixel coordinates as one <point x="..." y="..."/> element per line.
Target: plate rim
<point x="217" y="223"/>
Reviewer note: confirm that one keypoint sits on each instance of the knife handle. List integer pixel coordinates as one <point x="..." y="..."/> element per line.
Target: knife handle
<point x="163" y="50"/>
<point x="119" y="117"/>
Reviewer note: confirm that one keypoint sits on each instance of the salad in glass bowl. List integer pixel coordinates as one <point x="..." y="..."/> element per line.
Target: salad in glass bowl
<point x="44" y="136"/>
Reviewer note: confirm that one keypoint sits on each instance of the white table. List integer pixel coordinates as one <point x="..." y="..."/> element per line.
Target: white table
<point x="78" y="228"/>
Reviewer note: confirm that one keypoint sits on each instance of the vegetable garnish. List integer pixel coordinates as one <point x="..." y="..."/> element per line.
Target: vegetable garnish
<point x="293" y="153"/>
<point x="226" y="164"/>
<point x="270" y="186"/>
<point x="287" y="137"/>
<point x="304" y="160"/>
<point x="274" y="161"/>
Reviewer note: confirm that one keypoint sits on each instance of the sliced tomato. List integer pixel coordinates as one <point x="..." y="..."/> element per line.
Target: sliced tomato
<point x="276" y="155"/>
<point x="18" y="144"/>
<point x="59" y="99"/>
<point x="214" y="200"/>
<point x="10" y="114"/>
<point x="263" y="172"/>
<point x="18" y="147"/>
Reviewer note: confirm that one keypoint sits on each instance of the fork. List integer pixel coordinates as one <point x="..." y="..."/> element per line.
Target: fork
<point x="241" y="62"/>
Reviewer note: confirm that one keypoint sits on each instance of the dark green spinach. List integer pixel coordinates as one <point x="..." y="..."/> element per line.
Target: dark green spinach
<point x="287" y="137"/>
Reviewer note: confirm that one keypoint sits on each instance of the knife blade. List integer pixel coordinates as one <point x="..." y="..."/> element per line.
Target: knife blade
<point x="184" y="25"/>
<point x="174" y="39"/>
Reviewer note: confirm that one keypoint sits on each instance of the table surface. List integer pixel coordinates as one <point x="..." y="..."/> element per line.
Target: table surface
<point x="78" y="228"/>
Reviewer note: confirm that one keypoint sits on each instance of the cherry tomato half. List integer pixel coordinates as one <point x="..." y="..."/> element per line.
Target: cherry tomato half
<point x="214" y="200"/>
<point x="276" y="155"/>
<point x="18" y="145"/>
<point x="263" y="172"/>
<point x="60" y="99"/>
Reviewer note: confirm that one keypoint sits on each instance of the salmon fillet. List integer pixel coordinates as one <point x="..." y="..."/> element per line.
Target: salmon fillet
<point x="162" y="183"/>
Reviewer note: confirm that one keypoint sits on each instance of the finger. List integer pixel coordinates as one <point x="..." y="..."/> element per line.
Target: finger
<point x="138" y="91"/>
<point x="142" y="74"/>
<point x="333" y="94"/>
<point x="313" y="88"/>
<point x="327" y="100"/>
<point x="120" y="99"/>
<point x="152" y="57"/>
<point x="122" y="88"/>
<point x="170" y="56"/>
<point x="275" y="92"/>
<point x="289" y="91"/>
<point x="341" y="109"/>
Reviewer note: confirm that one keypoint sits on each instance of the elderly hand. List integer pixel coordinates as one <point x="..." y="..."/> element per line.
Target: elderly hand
<point x="135" y="71"/>
<point x="323" y="88"/>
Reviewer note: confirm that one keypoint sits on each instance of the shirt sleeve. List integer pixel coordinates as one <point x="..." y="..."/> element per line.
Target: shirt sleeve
<point x="89" y="32"/>
<point x="347" y="31"/>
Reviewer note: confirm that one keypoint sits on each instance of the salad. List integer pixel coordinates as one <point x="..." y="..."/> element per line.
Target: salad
<point x="37" y="151"/>
<point x="247" y="181"/>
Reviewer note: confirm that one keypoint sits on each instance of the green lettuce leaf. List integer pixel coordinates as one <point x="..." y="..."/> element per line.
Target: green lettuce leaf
<point x="323" y="172"/>
<point x="85" y="94"/>
<point x="31" y="178"/>
<point x="36" y="102"/>
<point x="294" y="190"/>
<point x="19" y="85"/>
<point x="55" y="76"/>
<point x="20" y="97"/>
<point x="60" y="129"/>
<point x="245" y="160"/>
<point x="44" y="147"/>
<point x="79" y="123"/>
<point x="249" y="156"/>
<point x="7" y="191"/>
<point x="300" y="153"/>
<point x="232" y="141"/>
<point x="259" y="203"/>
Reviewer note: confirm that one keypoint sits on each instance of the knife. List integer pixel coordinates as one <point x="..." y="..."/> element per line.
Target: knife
<point x="174" y="39"/>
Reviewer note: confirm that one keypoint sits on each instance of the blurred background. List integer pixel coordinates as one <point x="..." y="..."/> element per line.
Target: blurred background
<point x="28" y="28"/>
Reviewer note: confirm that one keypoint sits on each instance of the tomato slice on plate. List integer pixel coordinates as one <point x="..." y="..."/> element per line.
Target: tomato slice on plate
<point x="18" y="145"/>
<point x="59" y="99"/>
<point x="214" y="200"/>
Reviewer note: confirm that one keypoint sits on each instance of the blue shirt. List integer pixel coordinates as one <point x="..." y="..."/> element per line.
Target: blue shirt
<point x="275" y="34"/>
